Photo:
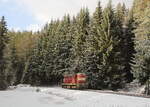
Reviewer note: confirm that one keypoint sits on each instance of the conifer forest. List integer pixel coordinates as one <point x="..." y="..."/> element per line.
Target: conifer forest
<point x="111" y="46"/>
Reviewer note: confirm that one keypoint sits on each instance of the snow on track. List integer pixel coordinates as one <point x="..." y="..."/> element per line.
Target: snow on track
<point x="26" y="96"/>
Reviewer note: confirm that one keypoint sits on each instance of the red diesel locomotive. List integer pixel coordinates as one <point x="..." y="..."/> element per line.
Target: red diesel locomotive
<point x="74" y="81"/>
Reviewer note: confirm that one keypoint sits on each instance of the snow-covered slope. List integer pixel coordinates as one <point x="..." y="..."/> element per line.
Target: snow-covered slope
<point x="58" y="97"/>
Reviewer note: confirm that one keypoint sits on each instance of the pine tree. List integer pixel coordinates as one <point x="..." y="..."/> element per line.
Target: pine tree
<point x="19" y="50"/>
<point x="121" y="12"/>
<point x="111" y="49"/>
<point x="73" y="24"/>
<point x="93" y="52"/>
<point x="106" y="65"/>
<point x="128" y="50"/>
<point x="125" y="29"/>
<point x="3" y="42"/>
<point x="96" y="20"/>
<point x="51" y="28"/>
<point x="36" y="69"/>
<point x="12" y="63"/>
<point x="95" y="25"/>
<point x="142" y="33"/>
<point x="63" y="48"/>
<point x="81" y="35"/>
<point x="64" y="26"/>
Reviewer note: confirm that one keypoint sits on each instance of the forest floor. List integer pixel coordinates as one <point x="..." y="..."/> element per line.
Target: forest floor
<point x="27" y="96"/>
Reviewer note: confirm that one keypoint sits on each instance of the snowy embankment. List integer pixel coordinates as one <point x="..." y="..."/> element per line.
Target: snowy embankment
<point x="26" y="96"/>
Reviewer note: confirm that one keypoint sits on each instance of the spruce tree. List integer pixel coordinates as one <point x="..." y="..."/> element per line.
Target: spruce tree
<point x="3" y="42"/>
<point x="64" y="26"/>
<point x="80" y="38"/>
<point x="96" y="20"/>
<point x="121" y="12"/>
<point x="63" y="48"/>
<point x="93" y="52"/>
<point x="37" y="64"/>
<point x="12" y="63"/>
<point x="113" y="62"/>
<point x="142" y="33"/>
<point x="129" y="45"/>
<point x="125" y="29"/>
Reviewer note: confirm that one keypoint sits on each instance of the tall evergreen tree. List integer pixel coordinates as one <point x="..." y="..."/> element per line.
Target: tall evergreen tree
<point x="36" y="69"/>
<point x="113" y="61"/>
<point x="142" y="33"/>
<point x="128" y="50"/>
<point x="64" y="26"/>
<point x="3" y="42"/>
<point x="63" y="48"/>
<point x="125" y="29"/>
<point x="12" y="63"/>
<point x="121" y="12"/>
<point x="93" y="52"/>
<point x="81" y="35"/>
<point x="96" y="19"/>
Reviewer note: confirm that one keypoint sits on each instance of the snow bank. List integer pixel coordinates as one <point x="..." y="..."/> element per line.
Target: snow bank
<point x="26" y="96"/>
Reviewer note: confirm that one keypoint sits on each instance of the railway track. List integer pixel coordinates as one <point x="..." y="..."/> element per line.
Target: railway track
<point x="120" y="93"/>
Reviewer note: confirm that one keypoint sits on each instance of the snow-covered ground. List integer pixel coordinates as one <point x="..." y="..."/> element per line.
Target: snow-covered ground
<point x="26" y="96"/>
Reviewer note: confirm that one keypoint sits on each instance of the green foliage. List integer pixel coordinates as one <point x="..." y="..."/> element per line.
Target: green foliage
<point x="106" y="61"/>
<point x="80" y="39"/>
<point x="128" y="42"/>
<point x="102" y="46"/>
<point x="3" y="43"/>
<point x="17" y="54"/>
<point x="12" y="64"/>
<point x="142" y="32"/>
<point x="51" y="55"/>
<point x="112" y="59"/>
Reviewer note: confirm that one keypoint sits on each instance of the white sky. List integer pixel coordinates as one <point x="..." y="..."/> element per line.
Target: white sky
<point x="32" y="14"/>
<point x="44" y="10"/>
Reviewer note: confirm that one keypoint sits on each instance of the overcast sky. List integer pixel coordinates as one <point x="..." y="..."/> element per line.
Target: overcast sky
<point x="32" y="14"/>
